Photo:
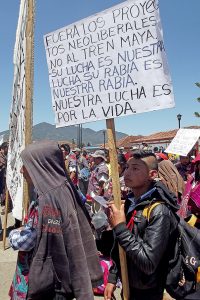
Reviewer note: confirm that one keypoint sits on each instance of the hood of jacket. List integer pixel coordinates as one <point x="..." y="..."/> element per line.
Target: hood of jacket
<point x="45" y="165"/>
<point x="170" y="176"/>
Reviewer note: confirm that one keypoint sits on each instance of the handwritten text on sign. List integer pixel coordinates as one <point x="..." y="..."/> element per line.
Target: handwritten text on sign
<point x="108" y="65"/>
<point x="14" y="178"/>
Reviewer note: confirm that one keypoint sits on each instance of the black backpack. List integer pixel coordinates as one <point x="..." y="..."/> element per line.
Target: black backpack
<point x="183" y="275"/>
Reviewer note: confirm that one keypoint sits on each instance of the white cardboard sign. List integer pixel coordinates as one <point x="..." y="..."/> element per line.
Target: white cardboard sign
<point x="184" y="141"/>
<point x="108" y="65"/>
<point x="14" y="178"/>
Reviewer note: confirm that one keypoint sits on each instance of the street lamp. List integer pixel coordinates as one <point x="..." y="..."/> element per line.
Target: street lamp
<point x="179" y="120"/>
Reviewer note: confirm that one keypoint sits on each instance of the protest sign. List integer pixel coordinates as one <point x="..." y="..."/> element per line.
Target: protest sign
<point x="14" y="178"/>
<point x="1" y="138"/>
<point x="184" y="141"/>
<point x="109" y="65"/>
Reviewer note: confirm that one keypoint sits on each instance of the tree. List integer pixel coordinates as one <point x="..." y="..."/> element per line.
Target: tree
<point x="197" y="114"/>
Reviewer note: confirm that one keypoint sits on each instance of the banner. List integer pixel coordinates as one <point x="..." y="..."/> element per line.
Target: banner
<point x="14" y="178"/>
<point x="184" y="141"/>
<point x="109" y="65"/>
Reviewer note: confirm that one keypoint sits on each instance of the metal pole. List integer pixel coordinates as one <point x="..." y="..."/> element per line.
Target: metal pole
<point x="104" y="139"/>
<point x="78" y="136"/>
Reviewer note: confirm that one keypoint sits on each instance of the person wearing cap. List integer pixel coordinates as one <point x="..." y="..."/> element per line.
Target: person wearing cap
<point x="99" y="175"/>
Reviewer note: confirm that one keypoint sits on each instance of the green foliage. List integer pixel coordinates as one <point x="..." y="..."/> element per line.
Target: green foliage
<point x="198" y="84"/>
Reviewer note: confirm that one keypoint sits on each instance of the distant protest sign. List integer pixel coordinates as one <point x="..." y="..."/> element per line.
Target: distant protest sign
<point x="14" y="178"/>
<point x="109" y="65"/>
<point x="1" y="138"/>
<point x="184" y="141"/>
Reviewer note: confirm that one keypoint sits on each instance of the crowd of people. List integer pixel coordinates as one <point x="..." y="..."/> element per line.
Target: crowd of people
<point x="73" y="226"/>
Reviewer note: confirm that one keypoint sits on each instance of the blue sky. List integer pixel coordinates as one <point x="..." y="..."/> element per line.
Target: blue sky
<point x="181" y="26"/>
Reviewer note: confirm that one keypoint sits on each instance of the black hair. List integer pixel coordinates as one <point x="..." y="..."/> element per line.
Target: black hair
<point x="4" y="145"/>
<point x="155" y="149"/>
<point x="84" y="153"/>
<point x="153" y="164"/>
<point x="121" y="159"/>
<point x="106" y="151"/>
<point x="66" y="147"/>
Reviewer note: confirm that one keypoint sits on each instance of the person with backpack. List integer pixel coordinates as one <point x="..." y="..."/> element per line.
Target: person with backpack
<point x="145" y="228"/>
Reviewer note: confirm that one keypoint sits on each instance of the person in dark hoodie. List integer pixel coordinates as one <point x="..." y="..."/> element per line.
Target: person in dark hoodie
<point x="147" y="243"/>
<point x="64" y="263"/>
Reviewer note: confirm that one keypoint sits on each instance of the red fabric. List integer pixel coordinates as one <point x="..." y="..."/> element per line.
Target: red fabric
<point x="162" y="155"/>
<point x="197" y="158"/>
<point x="130" y="224"/>
<point x="127" y="155"/>
<point x="106" y="263"/>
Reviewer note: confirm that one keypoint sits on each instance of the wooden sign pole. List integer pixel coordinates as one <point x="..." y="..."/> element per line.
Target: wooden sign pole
<point x="5" y="220"/>
<point x="29" y="87"/>
<point x="117" y="198"/>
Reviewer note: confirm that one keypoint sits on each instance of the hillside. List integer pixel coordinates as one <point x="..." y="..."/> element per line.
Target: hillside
<point x="43" y="131"/>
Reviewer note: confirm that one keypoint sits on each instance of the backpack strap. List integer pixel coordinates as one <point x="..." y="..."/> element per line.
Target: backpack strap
<point x="147" y="210"/>
<point x="198" y="275"/>
<point x="192" y="221"/>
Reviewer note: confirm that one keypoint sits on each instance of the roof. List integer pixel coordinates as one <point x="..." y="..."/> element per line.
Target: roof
<point x="158" y="137"/>
<point x="128" y="140"/>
